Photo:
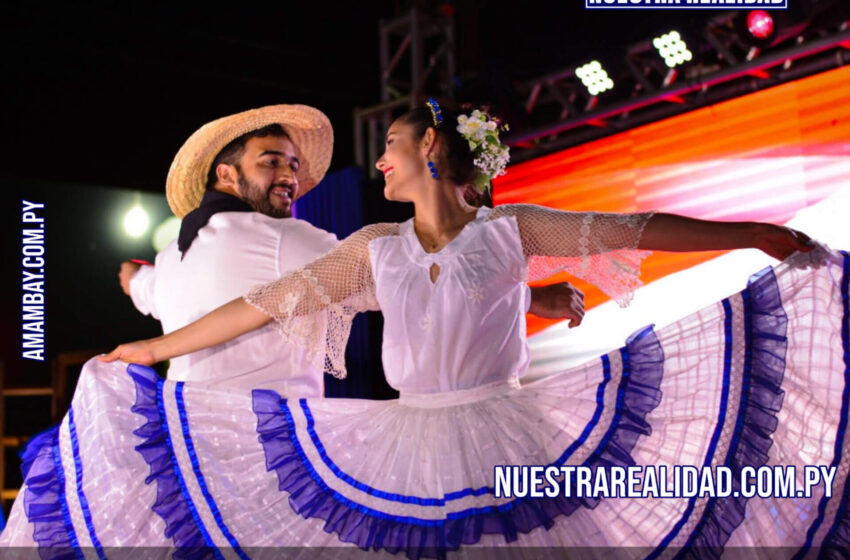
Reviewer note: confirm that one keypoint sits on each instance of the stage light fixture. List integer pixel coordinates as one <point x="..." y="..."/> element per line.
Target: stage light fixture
<point x="760" y="24"/>
<point x="672" y="49"/>
<point x="594" y="77"/>
<point x="136" y="221"/>
<point x="166" y="232"/>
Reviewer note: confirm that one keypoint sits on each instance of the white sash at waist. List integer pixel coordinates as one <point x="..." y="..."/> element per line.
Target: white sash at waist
<point x="459" y="396"/>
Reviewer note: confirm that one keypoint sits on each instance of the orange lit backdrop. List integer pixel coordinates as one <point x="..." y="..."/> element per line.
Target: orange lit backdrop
<point x="762" y="157"/>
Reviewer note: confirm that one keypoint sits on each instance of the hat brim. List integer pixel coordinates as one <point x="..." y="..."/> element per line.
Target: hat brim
<point x="307" y="127"/>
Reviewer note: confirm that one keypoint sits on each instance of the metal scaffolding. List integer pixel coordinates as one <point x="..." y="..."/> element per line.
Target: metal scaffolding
<point x="417" y="56"/>
<point x="417" y="59"/>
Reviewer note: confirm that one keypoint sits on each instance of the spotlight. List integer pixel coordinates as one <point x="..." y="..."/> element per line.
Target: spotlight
<point x="760" y="24"/>
<point x="762" y="29"/>
<point x="594" y="77"/>
<point x="672" y="49"/>
<point x="166" y="232"/>
<point x="136" y="221"/>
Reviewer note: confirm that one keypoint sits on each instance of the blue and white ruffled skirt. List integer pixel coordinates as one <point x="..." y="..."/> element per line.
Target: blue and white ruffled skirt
<point x="760" y="378"/>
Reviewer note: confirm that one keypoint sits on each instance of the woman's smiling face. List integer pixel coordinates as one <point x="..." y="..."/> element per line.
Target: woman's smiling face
<point x="403" y="162"/>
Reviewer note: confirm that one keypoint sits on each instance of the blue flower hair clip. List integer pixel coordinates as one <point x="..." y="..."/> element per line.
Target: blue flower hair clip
<point x="435" y="111"/>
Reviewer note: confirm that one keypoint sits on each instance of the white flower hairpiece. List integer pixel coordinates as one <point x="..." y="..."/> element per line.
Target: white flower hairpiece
<point x="490" y="155"/>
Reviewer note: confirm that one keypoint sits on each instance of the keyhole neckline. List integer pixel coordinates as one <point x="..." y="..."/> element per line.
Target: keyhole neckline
<point x="434" y="273"/>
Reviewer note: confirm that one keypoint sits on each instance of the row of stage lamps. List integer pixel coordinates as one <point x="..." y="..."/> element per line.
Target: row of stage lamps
<point x="672" y="48"/>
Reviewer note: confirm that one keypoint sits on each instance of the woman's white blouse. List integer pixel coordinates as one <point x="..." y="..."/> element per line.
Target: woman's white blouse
<point x="434" y="332"/>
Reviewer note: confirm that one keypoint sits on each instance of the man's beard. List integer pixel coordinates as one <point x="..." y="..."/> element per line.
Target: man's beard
<point x="258" y="198"/>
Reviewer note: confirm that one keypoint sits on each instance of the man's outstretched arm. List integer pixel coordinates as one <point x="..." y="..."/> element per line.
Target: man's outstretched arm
<point x="558" y="301"/>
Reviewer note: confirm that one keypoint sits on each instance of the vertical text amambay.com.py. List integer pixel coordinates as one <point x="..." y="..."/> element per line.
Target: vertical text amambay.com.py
<point x="32" y="280"/>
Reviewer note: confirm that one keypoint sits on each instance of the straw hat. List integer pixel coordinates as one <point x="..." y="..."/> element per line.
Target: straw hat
<point x="308" y="128"/>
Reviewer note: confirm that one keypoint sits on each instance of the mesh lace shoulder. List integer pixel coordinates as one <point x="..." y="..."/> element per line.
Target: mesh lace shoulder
<point x="600" y="248"/>
<point x="313" y="307"/>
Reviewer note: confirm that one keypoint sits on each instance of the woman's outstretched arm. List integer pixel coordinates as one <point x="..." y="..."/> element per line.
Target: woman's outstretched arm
<point x="225" y="323"/>
<point x="669" y="232"/>
<point x="555" y="233"/>
<point x="339" y="283"/>
<point x="606" y="249"/>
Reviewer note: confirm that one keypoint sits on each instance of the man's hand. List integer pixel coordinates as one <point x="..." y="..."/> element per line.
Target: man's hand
<point x="558" y="301"/>
<point x="128" y="270"/>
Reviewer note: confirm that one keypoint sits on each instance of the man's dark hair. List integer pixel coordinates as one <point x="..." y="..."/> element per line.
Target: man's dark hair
<point x="231" y="153"/>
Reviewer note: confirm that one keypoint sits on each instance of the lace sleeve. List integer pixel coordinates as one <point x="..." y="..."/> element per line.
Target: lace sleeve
<point x="313" y="307"/>
<point x="597" y="247"/>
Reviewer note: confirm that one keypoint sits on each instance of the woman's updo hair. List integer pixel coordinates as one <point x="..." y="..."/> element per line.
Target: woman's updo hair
<point x="455" y="160"/>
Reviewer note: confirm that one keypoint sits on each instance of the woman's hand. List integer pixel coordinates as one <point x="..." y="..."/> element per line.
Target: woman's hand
<point x="781" y="242"/>
<point x="139" y="352"/>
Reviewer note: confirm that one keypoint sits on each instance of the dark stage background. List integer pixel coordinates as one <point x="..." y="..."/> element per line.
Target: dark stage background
<point x="95" y="100"/>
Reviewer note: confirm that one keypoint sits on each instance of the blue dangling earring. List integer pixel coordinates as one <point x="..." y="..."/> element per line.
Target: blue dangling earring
<point x="433" y="169"/>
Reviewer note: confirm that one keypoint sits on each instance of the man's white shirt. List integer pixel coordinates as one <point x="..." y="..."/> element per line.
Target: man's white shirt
<point x="234" y="252"/>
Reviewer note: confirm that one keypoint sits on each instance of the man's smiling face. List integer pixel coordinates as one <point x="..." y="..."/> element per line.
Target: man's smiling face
<point x="267" y="180"/>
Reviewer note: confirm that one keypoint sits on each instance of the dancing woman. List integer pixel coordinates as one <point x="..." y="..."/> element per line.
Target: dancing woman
<point x="417" y="474"/>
